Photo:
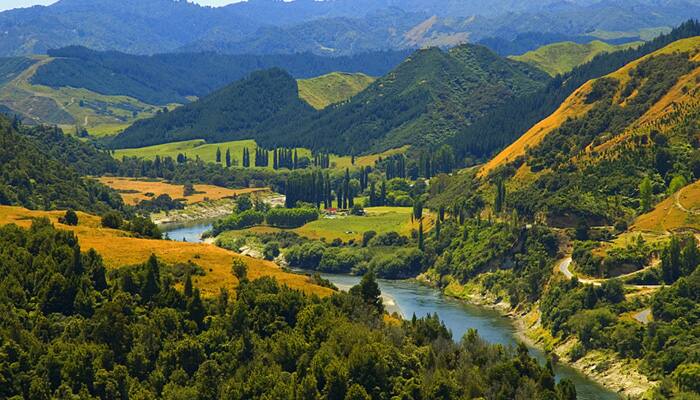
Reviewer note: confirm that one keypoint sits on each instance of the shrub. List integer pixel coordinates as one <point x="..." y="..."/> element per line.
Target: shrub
<point x="271" y="250"/>
<point x="70" y="218"/>
<point x="291" y="217"/>
<point x="112" y="220"/>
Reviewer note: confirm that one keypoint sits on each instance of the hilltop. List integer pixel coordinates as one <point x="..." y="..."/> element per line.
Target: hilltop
<point x="559" y="58"/>
<point x="242" y="110"/>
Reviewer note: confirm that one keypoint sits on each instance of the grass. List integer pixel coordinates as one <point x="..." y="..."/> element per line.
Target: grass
<point x="134" y="190"/>
<point x="207" y="152"/>
<point x="378" y="219"/>
<point x="668" y="217"/>
<point x="559" y="58"/>
<point x="336" y="87"/>
<point x="119" y="249"/>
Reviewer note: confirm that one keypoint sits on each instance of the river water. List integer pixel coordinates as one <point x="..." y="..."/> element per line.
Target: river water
<point x="408" y="298"/>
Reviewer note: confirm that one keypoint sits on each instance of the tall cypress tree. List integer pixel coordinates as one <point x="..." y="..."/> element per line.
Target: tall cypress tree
<point x="218" y="155"/>
<point x="228" y="158"/>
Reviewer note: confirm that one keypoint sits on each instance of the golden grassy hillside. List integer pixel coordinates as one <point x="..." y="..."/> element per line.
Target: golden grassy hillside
<point x="133" y="190"/>
<point x="575" y="106"/>
<point x="119" y="249"/>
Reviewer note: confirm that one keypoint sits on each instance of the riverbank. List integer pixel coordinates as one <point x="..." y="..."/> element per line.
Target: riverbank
<point x="617" y="374"/>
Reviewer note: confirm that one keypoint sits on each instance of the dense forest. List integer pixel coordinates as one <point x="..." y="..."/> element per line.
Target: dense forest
<point x="171" y="78"/>
<point x="35" y="178"/>
<point x="73" y="329"/>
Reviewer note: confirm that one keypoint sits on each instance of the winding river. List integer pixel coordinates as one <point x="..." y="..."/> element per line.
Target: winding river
<point x="408" y="298"/>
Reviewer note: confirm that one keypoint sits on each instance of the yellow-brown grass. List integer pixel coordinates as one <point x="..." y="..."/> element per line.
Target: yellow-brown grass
<point x="667" y="216"/>
<point x="141" y="187"/>
<point x="575" y="105"/>
<point x="120" y="249"/>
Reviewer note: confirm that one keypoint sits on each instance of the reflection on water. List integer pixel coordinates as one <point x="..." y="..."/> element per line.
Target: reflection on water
<point x="186" y="232"/>
<point x="408" y="298"/>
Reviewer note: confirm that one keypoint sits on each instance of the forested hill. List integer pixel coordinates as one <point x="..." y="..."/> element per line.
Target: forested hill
<point x="423" y="101"/>
<point x="171" y="78"/>
<point x="246" y="109"/>
<point x="30" y="175"/>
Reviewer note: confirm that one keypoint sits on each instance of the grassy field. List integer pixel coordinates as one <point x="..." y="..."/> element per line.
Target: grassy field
<point x="207" y="152"/>
<point x="680" y="211"/>
<point x="559" y="58"/>
<point x="378" y="219"/>
<point x="134" y="190"/>
<point x="119" y="249"/>
<point x="322" y="91"/>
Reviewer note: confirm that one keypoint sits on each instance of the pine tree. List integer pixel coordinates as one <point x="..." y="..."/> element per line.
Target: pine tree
<point x="195" y="308"/>
<point x="421" y="239"/>
<point x="151" y="283"/>
<point x="228" y="158"/>
<point x="218" y="155"/>
<point x="382" y="195"/>
<point x="188" y="285"/>
<point x="499" y="203"/>
<point x="438" y="227"/>
<point x="671" y="260"/>
<point x="645" y="194"/>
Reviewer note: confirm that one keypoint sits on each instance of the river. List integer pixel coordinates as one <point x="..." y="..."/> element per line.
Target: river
<point x="408" y="297"/>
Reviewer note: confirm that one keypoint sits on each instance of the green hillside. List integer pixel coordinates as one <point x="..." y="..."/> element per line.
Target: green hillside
<point x="243" y="110"/>
<point x="332" y="88"/>
<point x="560" y="58"/>
<point x="423" y="101"/>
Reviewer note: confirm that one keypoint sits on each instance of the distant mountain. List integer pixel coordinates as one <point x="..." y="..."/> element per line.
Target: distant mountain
<point x="243" y="110"/>
<point x="423" y="101"/>
<point x="331" y="27"/>
<point x="559" y="58"/>
<point x="172" y="78"/>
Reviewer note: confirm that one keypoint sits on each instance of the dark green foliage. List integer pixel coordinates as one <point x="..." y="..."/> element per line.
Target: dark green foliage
<point x="33" y="179"/>
<point x="112" y="220"/>
<point x="245" y="219"/>
<point x="243" y="110"/>
<point x="291" y="217"/>
<point x="170" y="78"/>
<point x="69" y="218"/>
<point x="161" y="203"/>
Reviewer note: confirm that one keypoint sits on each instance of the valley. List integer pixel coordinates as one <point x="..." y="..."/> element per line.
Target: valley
<point x="350" y="200"/>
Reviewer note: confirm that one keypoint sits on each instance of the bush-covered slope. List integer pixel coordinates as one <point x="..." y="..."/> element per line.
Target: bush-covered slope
<point x="245" y="109"/>
<point x="172" y="78"/>
<point x="588" y="163"/>
<point x="322" y="91"/>
<point x="31" y="177"/>
<point x="560" y="58"/>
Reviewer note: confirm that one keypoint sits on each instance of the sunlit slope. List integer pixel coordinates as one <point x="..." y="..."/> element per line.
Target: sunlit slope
<point x="559" y="58"/>
<point x="336" y="87"/>
<point x="119" y="249"/>
<point x="578" y="105"/>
